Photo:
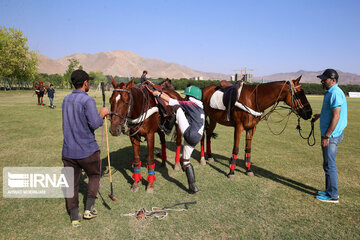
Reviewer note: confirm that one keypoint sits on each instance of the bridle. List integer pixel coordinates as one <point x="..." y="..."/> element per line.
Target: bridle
<point x="130" y="104"/>
<point x="125" y="119"/>
<point x="295" y="101"/>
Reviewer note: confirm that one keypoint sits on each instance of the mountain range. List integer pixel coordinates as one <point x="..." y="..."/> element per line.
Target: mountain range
<point x="127" y="63"/>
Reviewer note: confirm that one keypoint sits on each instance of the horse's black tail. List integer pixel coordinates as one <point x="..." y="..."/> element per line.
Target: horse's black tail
<point x="213" y="135"/>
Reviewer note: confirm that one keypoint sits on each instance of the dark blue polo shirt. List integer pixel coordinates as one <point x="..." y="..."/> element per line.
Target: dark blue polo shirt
<point x="51" y="92"/>
<point x="80" y="120"/>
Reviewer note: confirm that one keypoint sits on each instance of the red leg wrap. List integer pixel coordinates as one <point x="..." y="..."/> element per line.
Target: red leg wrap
<point x="232" y="166"/>
<point x="137" y="177"/>
<point x="248" y="164"/>
<point x="177" y="156"/>
<point x="202" y="152"/>
<point x="151" y="173"/>
<point x="234" y="156"/>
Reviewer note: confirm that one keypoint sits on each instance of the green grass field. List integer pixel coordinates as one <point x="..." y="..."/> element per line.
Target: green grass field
<point x="277" y="203"/>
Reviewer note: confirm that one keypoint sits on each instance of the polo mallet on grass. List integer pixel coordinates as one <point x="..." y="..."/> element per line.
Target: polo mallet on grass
<point x="111" y="194"/>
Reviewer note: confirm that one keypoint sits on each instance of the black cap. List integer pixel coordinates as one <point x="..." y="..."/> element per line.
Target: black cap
<point x="78" y="77"/>
<point x="329" y="73"/>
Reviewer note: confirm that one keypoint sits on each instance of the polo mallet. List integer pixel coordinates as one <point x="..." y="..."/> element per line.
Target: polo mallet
<point x="111" y="194"/>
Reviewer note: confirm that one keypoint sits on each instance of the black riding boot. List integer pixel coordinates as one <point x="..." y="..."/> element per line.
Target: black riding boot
<point x="191" y="179"/>
<point x="190" y="174"/>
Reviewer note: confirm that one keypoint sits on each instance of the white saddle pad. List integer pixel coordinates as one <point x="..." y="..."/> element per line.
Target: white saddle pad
<point x="216" y="102"/>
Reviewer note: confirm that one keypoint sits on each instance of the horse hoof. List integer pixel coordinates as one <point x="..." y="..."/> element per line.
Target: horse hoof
<point x="202" y="161"/>
<point x="231" y="176"/>
<point x="135" y="187"/>
<point x="250" y="173"/>
<point x="177" y="167"/>
<point x="211" y="159"/>
<point x="150" y="190"/>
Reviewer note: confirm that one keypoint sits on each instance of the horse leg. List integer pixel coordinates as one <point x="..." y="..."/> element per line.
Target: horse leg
<point x="202" y="152"/>
<point x="237" y="134"/>
<point x="150" y="162"/>
<point x="38" y="99"/>
<point x="163" y="148"/>
<point x="249" y="137"/>
<point x="209" y="133"/>
<point x="136" y="164"/>
<point x="178" y="148"/>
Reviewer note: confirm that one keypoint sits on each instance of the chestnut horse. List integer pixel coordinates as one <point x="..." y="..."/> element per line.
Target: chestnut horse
<point x="256" y="100"/>
<point x="135" y="108"/>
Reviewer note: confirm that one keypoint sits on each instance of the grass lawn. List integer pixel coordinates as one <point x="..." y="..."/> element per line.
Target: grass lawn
<point x="278" y="202"/>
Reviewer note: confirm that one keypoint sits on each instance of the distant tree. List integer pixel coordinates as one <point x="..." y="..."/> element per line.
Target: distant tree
<point x="74" y="64"/>
<point x="16" y="61"/>
<point x="98" y="78"/>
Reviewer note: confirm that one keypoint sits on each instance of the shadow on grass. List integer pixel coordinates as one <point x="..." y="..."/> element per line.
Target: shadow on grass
<point x="258" y="172"/>
<point x="121" y="162"/>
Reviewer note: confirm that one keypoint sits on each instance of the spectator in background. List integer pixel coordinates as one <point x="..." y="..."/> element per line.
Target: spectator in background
<point x="51" y="95"/>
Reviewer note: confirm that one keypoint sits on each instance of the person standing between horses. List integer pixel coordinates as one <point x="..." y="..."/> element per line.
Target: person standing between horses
<point x="51" y="95"/>
<point x="80" y="149"/>
<point x="191" y="119"/>
<point x="333" y="120"/>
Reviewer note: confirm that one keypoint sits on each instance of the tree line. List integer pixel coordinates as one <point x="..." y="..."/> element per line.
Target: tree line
<point x="18" y="68"/>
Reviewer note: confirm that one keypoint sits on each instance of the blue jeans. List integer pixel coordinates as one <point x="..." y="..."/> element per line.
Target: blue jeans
<point x="51" y="101"/>
<point x="329" y="165"/>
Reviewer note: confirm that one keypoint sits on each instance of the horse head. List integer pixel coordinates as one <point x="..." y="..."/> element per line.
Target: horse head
<point x="167" y="84"/>
<point x="121" y="102"/>
<point x="297" y="100"/>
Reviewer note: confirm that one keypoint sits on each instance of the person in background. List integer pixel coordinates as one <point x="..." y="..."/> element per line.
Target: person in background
<point x="333" y="120"/>
<point x="80" y="149"/>
<point x="143" y="77"/>
<point x="51" y="95"/>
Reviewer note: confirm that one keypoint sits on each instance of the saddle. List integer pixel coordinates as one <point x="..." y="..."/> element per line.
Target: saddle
<point x="230" y="95"/>
<point x="167" y="117"/>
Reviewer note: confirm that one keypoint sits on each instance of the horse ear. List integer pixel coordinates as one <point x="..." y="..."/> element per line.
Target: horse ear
<point x="296" y="81"/>
<point x="113" y="81"/>
<point x="129" y="85"/>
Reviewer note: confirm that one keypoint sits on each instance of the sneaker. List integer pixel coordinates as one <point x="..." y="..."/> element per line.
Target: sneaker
<point x="321" y="193"/>
<point x="76" y="223"/>
<point x="90" y="214"/>
<point x="327" y="199"/>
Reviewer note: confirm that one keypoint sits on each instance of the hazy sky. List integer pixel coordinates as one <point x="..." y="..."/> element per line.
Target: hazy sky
<point x="269" y="36"/>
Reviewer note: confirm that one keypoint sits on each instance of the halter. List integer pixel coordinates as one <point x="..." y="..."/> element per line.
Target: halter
<point x="127" y="117"/>
<point x="124" y="118"/>
<point x="294" y="100"/>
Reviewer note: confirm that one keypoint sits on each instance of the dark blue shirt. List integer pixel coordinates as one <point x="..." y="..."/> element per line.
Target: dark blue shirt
<point x="143" y="79"/>
<point x="51" y="92"/>
<point x="80" y="120"/>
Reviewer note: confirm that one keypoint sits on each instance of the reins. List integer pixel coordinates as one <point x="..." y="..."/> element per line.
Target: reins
<point x="294" y="100"/>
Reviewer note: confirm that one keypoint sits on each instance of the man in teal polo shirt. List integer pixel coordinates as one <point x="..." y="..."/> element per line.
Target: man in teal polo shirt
<point x="333" y="120"/>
